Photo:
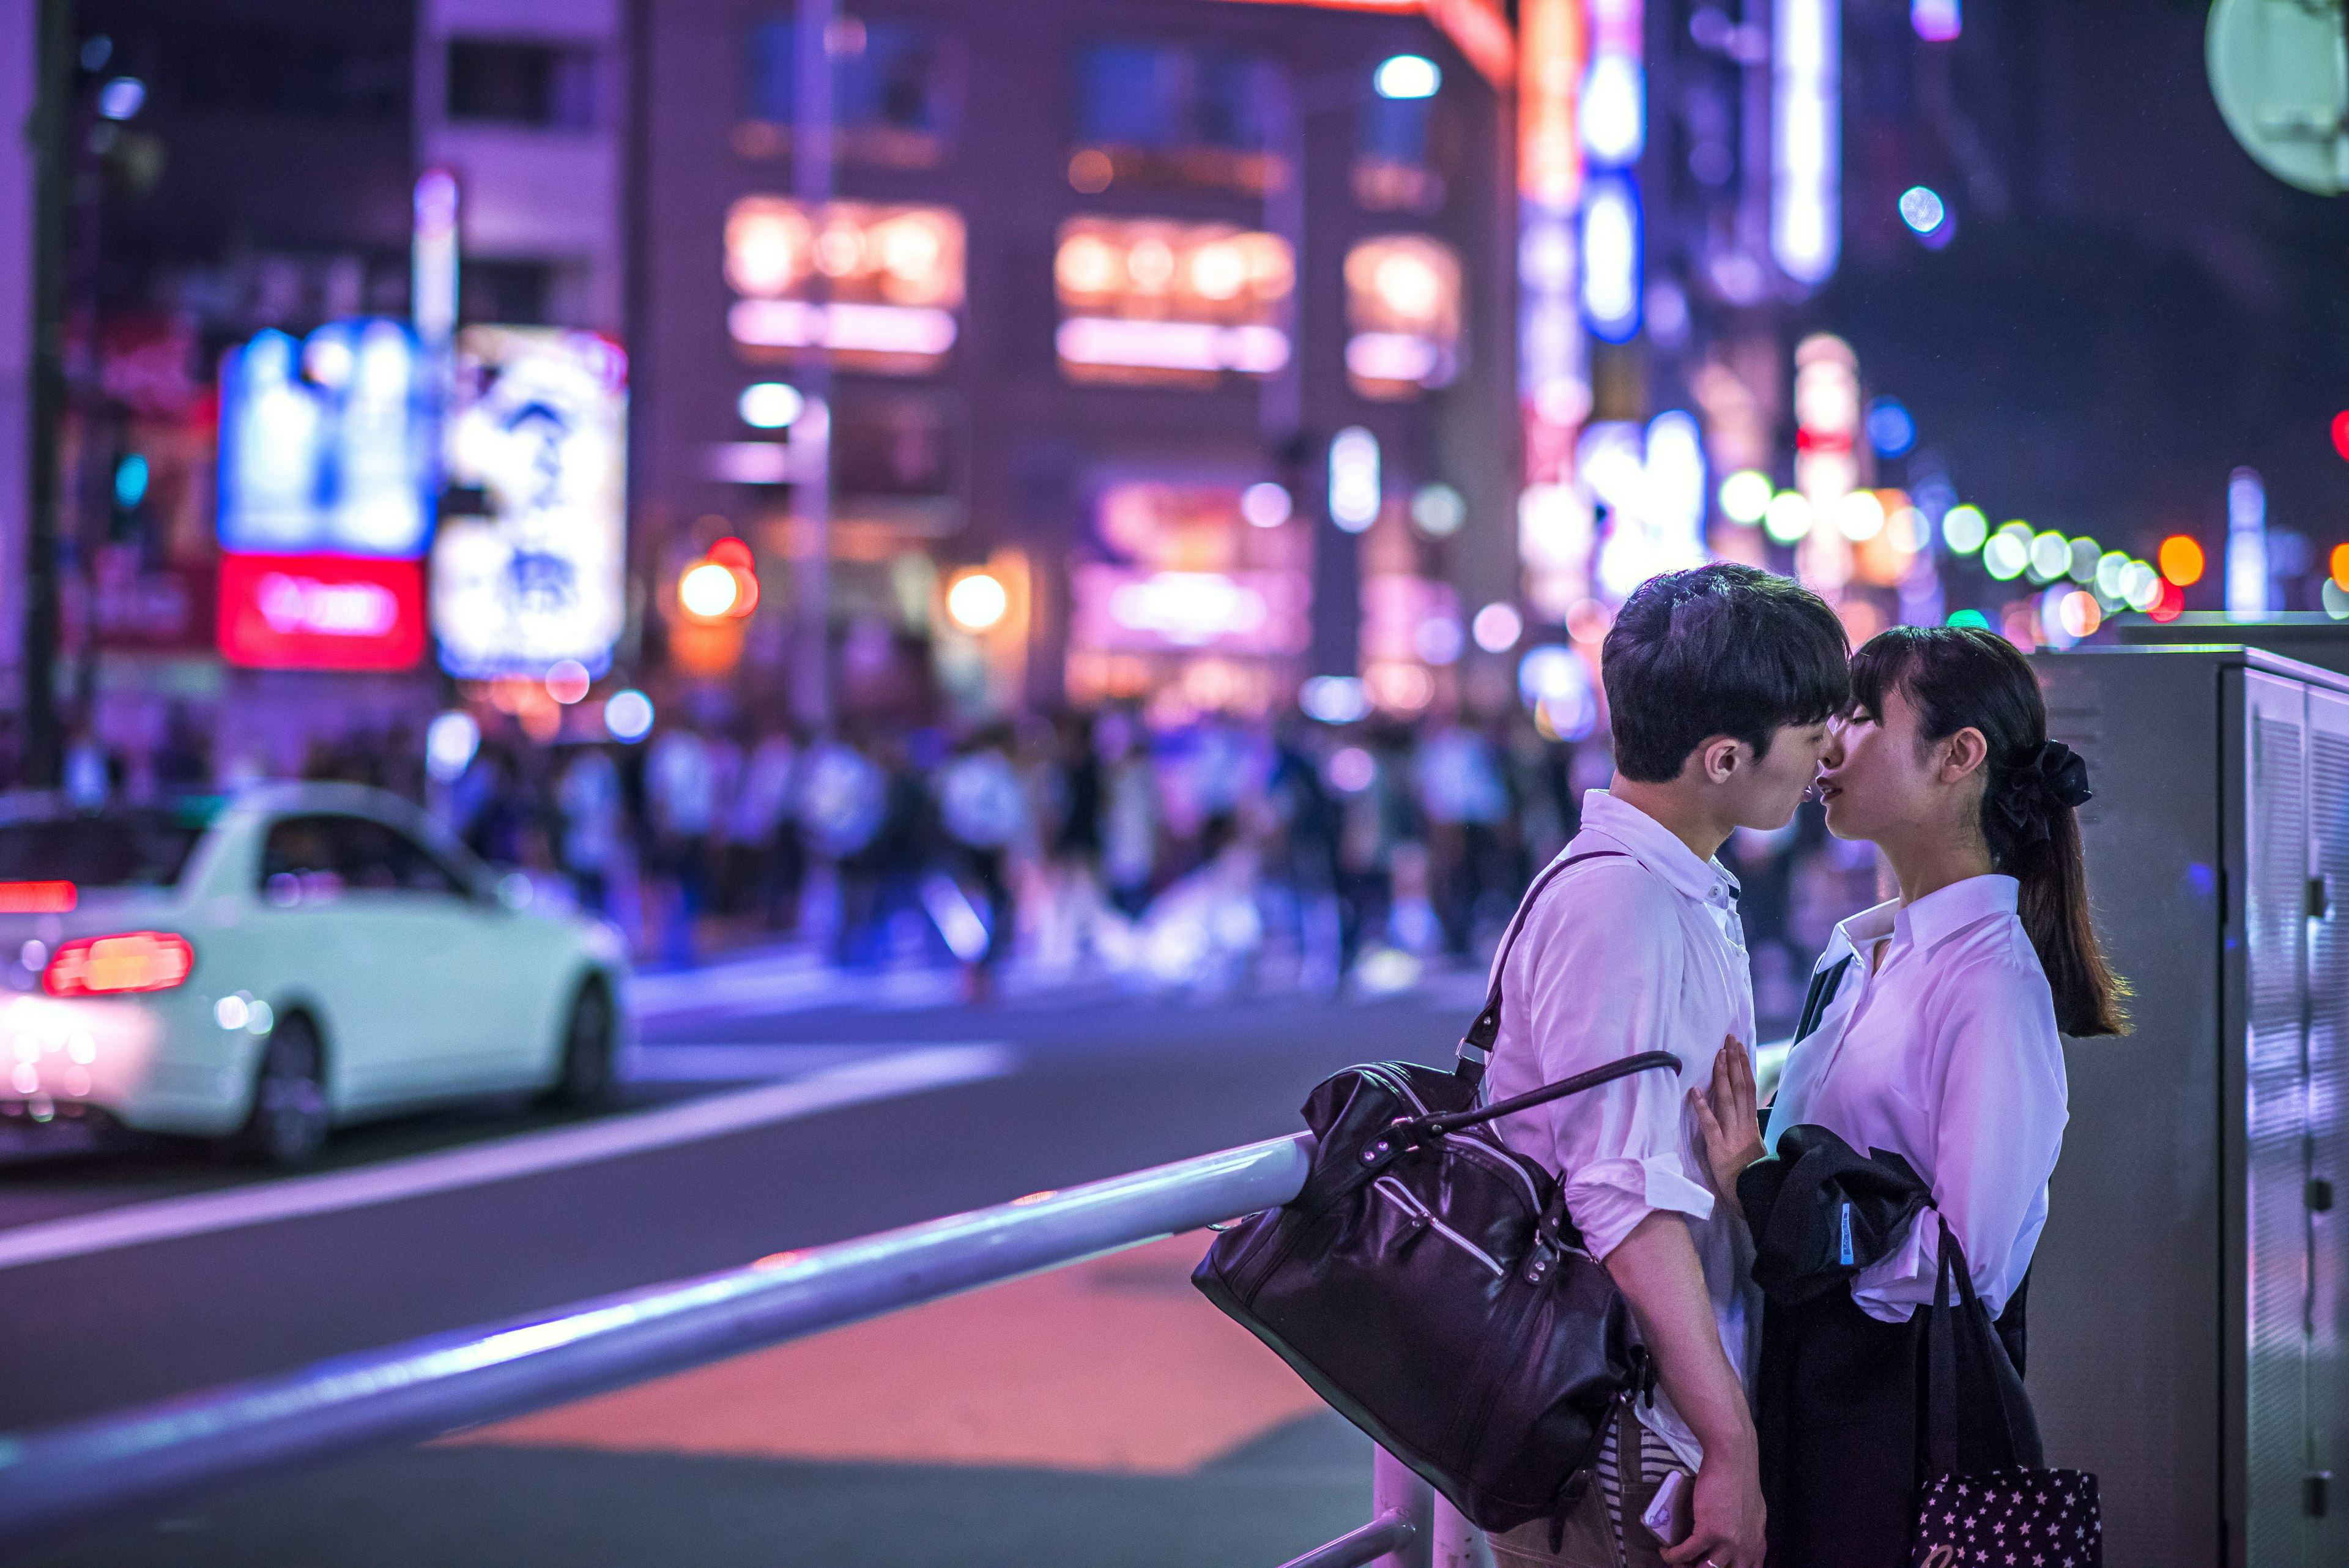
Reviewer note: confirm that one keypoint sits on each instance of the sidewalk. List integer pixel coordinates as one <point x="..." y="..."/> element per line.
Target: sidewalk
<point x="788" y="978"/>
<point x="1100" y="1414"/>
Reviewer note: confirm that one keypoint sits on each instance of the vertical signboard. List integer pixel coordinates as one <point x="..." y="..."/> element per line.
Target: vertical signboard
<point x="539" y="426"/>
<point x="325" y="460"/>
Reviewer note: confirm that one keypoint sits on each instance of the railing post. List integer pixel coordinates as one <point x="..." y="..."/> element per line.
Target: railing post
<point x="1396" y="1486"/>
<point x="1457" y="1544"/>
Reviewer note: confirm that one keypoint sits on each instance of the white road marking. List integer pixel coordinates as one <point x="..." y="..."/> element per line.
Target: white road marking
<point x="905" y="1072"/>
<point x="744" y="1062"/>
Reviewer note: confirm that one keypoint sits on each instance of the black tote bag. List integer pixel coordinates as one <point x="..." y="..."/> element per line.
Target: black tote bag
<point x="1428" y="1282"/>
<point x="2023" y="1514"/>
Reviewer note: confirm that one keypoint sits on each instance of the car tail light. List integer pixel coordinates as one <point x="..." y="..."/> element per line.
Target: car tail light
<point x="113" y="966"/>
<point x="36" y="898"/>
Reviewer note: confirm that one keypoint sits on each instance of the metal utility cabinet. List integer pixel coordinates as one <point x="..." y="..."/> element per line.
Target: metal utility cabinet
<point x="2190" y="1297"/>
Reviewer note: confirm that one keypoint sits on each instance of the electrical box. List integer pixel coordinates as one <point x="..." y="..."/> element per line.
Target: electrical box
<point x="2190" y="1299"/>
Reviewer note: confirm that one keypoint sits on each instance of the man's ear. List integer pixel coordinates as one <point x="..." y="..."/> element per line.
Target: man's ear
<point x="1719" y="758"/>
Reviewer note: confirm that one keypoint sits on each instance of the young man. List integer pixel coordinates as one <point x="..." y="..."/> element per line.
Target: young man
<point x="1720" y="681"/>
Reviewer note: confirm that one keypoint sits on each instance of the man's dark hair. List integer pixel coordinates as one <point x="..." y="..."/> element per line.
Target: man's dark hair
<point x="1723" y="649"/>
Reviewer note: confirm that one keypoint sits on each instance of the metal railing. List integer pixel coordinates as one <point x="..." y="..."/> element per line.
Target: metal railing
<point x="105" y="1467"/>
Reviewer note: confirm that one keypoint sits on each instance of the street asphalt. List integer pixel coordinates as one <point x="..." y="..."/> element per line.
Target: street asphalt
<point x="1105" y="1414"/>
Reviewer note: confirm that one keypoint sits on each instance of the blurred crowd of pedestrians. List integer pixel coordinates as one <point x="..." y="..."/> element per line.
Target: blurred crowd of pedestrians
<point x="1220" y="855"/>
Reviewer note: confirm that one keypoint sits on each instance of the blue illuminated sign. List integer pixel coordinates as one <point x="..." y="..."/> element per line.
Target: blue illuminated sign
<point x="326" y="444"/>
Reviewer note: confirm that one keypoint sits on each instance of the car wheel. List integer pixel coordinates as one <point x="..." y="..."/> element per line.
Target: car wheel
<point x="288" y="1122"/>
<point x="585" y="1076"/>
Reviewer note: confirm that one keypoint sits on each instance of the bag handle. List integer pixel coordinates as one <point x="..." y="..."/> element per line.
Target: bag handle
<point x="1476" y="1045"/>
<point x="1408" y="1134"/>
<point x="1941" y="1372"/>
<point x="1453" y="1121"/>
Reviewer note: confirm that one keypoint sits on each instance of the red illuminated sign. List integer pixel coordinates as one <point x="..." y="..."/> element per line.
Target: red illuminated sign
<point x="321" y="612"/>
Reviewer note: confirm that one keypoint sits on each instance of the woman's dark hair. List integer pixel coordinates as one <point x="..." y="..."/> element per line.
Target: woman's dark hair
<point x="1723" y="649"/>
<point x="1958" y="677"/>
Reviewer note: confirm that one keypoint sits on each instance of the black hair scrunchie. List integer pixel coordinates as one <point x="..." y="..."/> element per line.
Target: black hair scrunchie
<point x="2054" y="776"/>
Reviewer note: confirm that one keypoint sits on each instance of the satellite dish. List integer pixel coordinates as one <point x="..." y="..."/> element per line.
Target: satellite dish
<point x="2279" y="72"/>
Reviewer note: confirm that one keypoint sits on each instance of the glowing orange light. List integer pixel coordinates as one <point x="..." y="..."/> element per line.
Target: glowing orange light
<point x="2181" y="560"/>
<point x="2341" y="566"/>
<point x="110" y="966"/>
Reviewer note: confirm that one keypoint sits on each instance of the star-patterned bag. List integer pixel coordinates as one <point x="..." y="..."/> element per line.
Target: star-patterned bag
<point x="2015" y="1518"/>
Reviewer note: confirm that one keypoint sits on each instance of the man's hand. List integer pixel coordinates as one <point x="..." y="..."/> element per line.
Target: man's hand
<point x="1657" y="1270"/>
<point x="1728" y="1121"/>
<point x="1727" y="1531"/>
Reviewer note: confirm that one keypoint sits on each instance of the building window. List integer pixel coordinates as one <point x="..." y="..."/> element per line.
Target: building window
<point x="880" y="286"/>
<point x="1403" y="310"/>
<point x="1167" y="114"/>
<point x="1394" y="167"/>
<point x="271" y="73"/>
<point x="1151" y="301"/>
<point x="511" y="293"/>
<point x="534" y="85"/>
<point x="894" y="87"/>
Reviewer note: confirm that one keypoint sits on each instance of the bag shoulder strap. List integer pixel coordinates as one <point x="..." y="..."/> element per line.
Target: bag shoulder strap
<point x="1476" y="1045"/>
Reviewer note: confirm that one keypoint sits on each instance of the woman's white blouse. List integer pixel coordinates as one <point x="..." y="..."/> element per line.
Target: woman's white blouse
<point x="1947" y="1054"/>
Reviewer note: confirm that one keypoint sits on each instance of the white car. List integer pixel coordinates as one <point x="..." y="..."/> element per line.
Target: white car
<point x="264" y="967"/>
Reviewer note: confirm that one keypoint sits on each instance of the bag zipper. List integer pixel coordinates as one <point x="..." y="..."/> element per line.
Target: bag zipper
<point x="1410" y="1202"/>
<point x="1499" y="1159"/>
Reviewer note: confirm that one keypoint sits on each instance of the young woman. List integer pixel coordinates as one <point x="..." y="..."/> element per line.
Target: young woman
<point x="1932" y="1034"/>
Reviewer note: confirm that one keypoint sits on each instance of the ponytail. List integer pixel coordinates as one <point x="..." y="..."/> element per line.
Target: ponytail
<point x="1958" y="677"/>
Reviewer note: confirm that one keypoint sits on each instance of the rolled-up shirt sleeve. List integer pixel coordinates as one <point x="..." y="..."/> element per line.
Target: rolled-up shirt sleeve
<point x="1600" y="977"/>
<point x="1998" y="1121"/>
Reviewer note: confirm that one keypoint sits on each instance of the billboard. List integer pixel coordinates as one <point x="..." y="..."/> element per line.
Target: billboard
<point x="326" y="443"/>
<point x="321" y="612"/>
<point x="538" y="424"/>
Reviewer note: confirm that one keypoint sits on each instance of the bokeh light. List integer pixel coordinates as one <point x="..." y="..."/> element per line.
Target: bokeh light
<point x="1859" y="515"/>
<point x="1745" y="495"/>
<point x="1788" y="517"/>
<point x="2050" y="556"/>
<point x="629" y="716"/>
<point x="1963" y="529"/>
<point x="1498" y="627"/>
<point x="2181" y="561"/>
<point x="1922" y="209"/>
<point x="449" y="741"/>
<point x="1334" y="699"/>
<point x="2004" y="555"/>
<point x="567" y="681"/>
<point x="975" y="601"/>
<point x="1266" y="505"/>
<point x="709" y="590"/>
<point x="1890" y="429"/>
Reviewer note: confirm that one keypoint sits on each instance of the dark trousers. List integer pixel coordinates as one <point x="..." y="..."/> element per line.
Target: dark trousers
<point x="1840" y="1412"/>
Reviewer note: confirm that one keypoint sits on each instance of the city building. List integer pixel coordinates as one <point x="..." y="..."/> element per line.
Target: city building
<point x="1156" y="351"/>
<point x="250" y="477"/>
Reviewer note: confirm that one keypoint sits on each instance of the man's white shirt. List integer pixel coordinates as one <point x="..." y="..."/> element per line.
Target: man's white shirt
<point x="1640" y="951"/>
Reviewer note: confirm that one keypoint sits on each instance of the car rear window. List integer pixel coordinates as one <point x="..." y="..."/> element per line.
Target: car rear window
<point x="112" y="849"/>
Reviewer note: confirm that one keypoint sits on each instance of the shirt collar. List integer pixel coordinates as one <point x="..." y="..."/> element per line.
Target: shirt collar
<point x="1656" y="847"/>
<point x="1933" y="918"/>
